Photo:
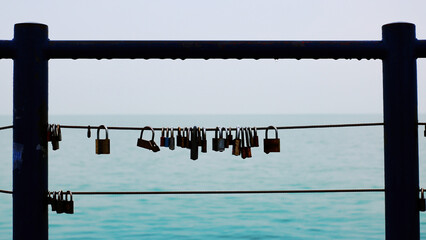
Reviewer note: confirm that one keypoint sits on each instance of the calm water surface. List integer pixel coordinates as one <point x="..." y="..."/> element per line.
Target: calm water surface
<point x="309" y="159"/>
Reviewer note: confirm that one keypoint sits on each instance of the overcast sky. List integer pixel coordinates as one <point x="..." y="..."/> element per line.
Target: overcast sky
<point x="212" y="86"/>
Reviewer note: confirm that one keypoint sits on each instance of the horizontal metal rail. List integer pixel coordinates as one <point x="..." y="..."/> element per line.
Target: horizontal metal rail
<point x="421" y="49"/>
<point x="216" y="49"/>
<point x="7" y="49"/>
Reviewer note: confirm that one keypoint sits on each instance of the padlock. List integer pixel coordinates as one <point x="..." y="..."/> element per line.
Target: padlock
<point x="55" y="137"/>
<point x="49" y="132"/>
<point x="425" y="131"/>
<point x="243" y="147"/>
<point x="179" y="138"/>
<point x="167" y="138"/>
<point x="50" y="200"/>
<point x="162" y="138"/>
<point x="422" y="201"/>
<point x="248" y="142"/>
<point x="228" y="139"/>
<point x="203" y="140"/>
<point x="172" y="139"/>
<point x="89" y="132"/>
<point x="54" y="201"/>
<point x="200" y="144"/>
<point x="60" y="205"/>
<point x="148" y="144"/>
<point x="215" y="140"/>
<point x="58" y="129"/>
<point x="273" y="144"/>
<point x="188" y="138"/>
<point x="221" y="140"/>
<point x="102" y="145"/>
<point x="255" y="141"/>
<point x="68" y="203"/>
<point x="236" y="143"/>
<point x="184" y="138"/>
<point x="194" y="143"/>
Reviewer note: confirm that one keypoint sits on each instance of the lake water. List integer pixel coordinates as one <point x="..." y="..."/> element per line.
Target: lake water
<point x="335" y="158"/>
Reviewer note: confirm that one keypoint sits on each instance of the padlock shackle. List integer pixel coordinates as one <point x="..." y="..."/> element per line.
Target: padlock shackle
<point x="178" y="132"/>
<point x="422" y="193"/>
<point x="106" y="131"/>
<point x="204" y="137"/>
<point x="162" y="132"/>
<point x="70" y="193"/>
<point x="60" y="196"/>
<point x="53" y="130"/>
<point x="271" y="127"/>
<point x="248" y="137"/>
<point x="237" y="132"/>
<point x="172" y="134"/>
<point x="254" y="131"/>
<point x="243" y="143"/>
<point x="89" y="133"/>
<point x="216" y="132"/>
<point x="221" y="132"/>
<point x="148" y="128"/>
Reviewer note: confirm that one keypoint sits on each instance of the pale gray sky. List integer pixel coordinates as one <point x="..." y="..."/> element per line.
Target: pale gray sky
<point x="213" y="86"/>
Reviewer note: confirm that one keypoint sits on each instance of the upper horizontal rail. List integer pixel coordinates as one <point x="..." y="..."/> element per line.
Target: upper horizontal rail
<point x="213" y="49"/>
<point x="7" y="49"/>
<point x="216" y="49"/>
<point x="421" y="49"/>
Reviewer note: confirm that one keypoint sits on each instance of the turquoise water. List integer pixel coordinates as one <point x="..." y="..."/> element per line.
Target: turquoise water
<point x="309" y="159"/>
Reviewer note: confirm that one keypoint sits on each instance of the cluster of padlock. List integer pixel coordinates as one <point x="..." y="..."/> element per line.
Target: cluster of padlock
<point x="195" y="137"/>
<point x="191" y="138"/>
<point x="54" y="135"/>
<point x="61" y="202"/>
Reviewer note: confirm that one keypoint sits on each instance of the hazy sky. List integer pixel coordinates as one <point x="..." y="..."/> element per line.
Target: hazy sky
<point x="212" y="86"/>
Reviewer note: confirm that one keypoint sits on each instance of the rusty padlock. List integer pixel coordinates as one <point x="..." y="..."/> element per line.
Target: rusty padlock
<point x="243" y="147"/>
<point x="148" y="144"/>
<point x="59" y="132"/>
<point x="162" y="138"/>
<point x="49" y="132"/>
<point x="236" y="143"/>
<point x="271" y="144"/>
<point x="54" y="201"/>
<point x="188" y="138"/>
<point x="172" y="143"/>
<point x="179" y="138"/>
<point x="215" y="140"/>
<point x="248" y="142"/>
<point x="102" y="145"/>
<point x="194" y="143"/>
<point x="422" y="201"/>
<point x="255" y="141"/>
<point x="68" y="203"/>
<point x="60" y="205"/>
<point x="55" y="137"/>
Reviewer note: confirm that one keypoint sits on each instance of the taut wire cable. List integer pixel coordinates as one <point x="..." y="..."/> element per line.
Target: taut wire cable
<point x="213" y="129"/>
<point x="225" y="192"/>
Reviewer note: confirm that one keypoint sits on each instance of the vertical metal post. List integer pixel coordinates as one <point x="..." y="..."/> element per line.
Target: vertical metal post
<point x="30" y="91"/>
<point x="400" y="132"/>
